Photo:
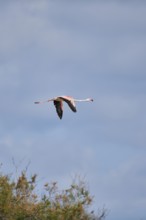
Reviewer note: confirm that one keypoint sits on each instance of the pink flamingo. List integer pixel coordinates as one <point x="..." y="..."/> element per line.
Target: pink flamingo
<point x="58" y="102"/>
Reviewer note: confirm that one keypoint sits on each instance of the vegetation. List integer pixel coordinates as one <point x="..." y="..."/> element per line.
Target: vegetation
<point x="19" y="201"/>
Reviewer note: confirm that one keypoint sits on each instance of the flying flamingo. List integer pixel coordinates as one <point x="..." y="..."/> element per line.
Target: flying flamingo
<point x="58" y="102"/>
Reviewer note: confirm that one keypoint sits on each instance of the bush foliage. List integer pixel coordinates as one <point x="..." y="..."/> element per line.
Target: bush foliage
<point x="19" y="201"/>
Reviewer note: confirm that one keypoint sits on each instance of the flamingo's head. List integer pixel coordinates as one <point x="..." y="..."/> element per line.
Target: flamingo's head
<point x="90" y="99"/>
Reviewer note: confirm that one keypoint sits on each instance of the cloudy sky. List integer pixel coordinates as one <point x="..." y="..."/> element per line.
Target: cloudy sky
<point x="83" y="49"/>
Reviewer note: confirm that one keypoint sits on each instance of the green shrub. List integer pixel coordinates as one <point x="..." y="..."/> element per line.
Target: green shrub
<point x="18" y="200"/>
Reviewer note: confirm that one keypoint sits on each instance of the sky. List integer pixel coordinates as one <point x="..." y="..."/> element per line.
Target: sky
<point x="82" y="49"/>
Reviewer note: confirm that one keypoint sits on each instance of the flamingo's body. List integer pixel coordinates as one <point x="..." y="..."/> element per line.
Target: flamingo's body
<point x="58" y="102"/>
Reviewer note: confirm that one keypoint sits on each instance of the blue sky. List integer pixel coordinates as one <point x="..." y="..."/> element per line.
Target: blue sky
<point x="83" y="49"/>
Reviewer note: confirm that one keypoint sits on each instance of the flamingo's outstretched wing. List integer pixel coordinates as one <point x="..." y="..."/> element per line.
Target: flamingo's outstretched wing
<point x="59" y="108"/>
<point x="70" y="102"/>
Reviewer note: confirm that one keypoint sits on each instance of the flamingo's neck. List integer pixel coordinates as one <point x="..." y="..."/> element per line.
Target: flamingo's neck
<point x="81" y="100"/>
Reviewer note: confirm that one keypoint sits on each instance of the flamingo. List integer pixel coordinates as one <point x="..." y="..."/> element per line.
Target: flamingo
<point x="58" y="102"/>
